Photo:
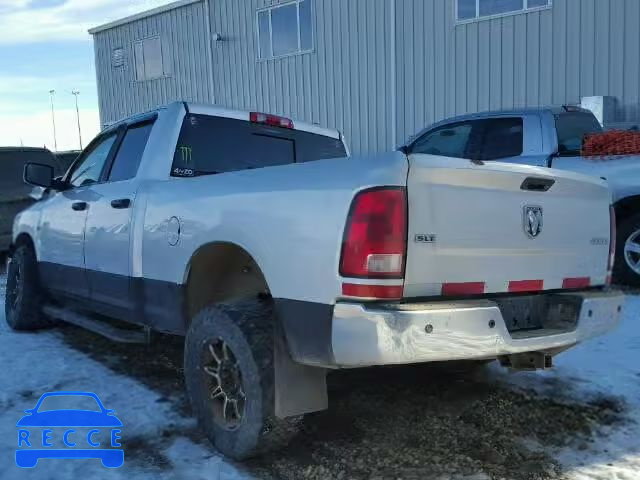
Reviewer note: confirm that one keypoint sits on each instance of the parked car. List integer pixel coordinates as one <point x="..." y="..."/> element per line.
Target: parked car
<point x="14" y="193"/>
<point x="547" y="137"/>
<point x="280" y="259"/>
<point x="67" y="158"/>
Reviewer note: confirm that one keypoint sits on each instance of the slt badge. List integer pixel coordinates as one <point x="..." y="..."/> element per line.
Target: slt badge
<point x="532" y="221"/>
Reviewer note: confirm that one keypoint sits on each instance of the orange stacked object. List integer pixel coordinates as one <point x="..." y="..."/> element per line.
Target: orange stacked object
<point x="614" y="142"/>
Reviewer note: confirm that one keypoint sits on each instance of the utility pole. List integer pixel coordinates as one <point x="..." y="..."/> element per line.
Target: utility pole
<point x="75" y="93"/>
<point x="53" y="118"/>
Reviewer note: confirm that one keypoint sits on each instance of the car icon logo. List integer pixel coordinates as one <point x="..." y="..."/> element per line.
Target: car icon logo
<point x="53" y="430"/>
<point x="532" y="220"/>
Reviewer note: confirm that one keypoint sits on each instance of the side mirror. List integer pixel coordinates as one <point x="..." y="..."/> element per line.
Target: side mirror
<point x="38" y="175"/>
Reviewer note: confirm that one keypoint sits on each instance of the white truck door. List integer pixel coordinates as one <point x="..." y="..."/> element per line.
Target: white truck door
<point x="62" y="225"/>
<point x="107" y="239"/>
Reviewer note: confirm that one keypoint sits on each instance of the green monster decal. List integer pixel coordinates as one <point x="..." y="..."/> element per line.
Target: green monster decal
<point x="186" y="155"/>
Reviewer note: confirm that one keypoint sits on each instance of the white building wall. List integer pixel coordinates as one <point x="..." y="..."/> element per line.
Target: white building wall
<point x="345" y="83"/>
<point x="575" y="49"/>
<point x="184" y="35"/>
<point x="383" y="69"/>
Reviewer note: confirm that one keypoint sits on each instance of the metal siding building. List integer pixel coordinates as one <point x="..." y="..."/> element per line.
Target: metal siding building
<point x="183" y="32"/>
<point x="379" y="70"/>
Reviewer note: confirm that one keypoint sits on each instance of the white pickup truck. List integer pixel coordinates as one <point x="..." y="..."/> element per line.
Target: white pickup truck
<point x="547" y="137"/>
<point x="279" y="258"/>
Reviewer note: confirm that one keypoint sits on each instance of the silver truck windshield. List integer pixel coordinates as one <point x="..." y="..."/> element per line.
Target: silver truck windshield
<point x="572" y="127"/>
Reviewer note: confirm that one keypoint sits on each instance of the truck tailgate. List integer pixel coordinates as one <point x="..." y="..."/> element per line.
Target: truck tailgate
<point x="477" y="229"/>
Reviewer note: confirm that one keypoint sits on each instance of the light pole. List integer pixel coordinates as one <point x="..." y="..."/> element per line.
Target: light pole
<point x="75" y="93"/>
<point x="53" y="118"/>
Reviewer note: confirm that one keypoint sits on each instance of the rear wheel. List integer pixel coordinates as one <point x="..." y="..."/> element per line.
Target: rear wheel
<point x="229" y="374"/>
<point x="627" y="266"/>
<point x="23" y="297"/>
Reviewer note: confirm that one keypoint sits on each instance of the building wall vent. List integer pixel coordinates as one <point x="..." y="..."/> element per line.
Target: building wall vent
<point x="117" y="57"/>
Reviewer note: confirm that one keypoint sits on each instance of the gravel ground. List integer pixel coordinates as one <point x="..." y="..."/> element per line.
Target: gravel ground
<point x="421" y="422"/>
<point x="442" y="422"/>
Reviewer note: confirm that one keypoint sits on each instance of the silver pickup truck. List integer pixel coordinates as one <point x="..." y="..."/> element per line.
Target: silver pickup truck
<point x="279" y="259"/>
<point x="546" y="137"/>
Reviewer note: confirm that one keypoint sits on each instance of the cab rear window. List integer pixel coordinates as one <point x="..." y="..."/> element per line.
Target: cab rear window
<point x="572" y="127"/>
<point x="210" y="145"/>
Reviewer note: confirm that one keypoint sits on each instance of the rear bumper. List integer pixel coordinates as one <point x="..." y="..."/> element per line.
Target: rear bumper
<point x="366" y="335"/>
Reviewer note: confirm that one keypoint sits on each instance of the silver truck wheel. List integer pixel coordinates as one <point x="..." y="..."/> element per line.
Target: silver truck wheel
<point x="632" y="251"/>
<point x="223" y="377"/>
<point x="23" y="297"/>
<point x="626" y="270"/>
<point x="229" y="374"/>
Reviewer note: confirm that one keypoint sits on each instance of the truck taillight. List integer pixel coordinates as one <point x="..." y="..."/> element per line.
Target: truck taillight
<point x="612" y="242"/>
<point x="268" y="119"/>
<point x="375" y="237"/>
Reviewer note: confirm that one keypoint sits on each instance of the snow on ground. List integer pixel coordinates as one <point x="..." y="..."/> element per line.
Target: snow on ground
<point x="611" y="365"/>
<point x="160" y="440"/>
<point x="608" y="365"/>
<point x="41" y="362"/>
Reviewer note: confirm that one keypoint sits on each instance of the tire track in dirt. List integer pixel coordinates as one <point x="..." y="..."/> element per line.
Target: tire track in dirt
<point x="435" y="421"/>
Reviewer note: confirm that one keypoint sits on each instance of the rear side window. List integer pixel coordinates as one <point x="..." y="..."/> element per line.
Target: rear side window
<point x="572" y="127"/>
<point x="448" y="141"/>
<point x="127" y="160"/>
<point x="501" y="138"/>
<point x="209" y="145"/>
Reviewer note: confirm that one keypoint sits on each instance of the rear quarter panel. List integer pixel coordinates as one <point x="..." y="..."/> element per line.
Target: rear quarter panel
<point x="290" y="219"/>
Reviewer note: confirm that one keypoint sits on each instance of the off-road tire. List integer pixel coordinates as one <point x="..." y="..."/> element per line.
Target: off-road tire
<point x="622" y="272"/>
<point x="24" y="296"/>
<point x="247" y="327"/>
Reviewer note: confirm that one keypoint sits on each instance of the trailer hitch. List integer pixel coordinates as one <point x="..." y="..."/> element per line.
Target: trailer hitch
<point x="527" y="361"/>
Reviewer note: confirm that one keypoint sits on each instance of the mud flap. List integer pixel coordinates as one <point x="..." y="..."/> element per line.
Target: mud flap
<point x="299" y="389"/>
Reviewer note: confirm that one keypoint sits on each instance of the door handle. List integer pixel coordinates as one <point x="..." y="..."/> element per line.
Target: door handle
<point x="534" y="184"/>
<point x="121" y="203"/>
<point x="79" y="206"/>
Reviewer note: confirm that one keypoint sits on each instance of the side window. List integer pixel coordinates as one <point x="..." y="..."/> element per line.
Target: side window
<point x="285" y="29"/>
<point x="502" y="138"/>
<point x="572" y="127"/>
<point x="446" y="141"/>
<point x="127" y="160"/>
<point x="89" y="169"/>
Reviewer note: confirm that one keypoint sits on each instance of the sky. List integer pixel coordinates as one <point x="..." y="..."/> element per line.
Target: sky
<point x="44" y="45"/>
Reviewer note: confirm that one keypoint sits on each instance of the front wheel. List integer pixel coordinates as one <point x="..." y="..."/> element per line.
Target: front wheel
<point x="229" y="374"/>
<point x="23" y="297"/>
<point x="627" y="266"/>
